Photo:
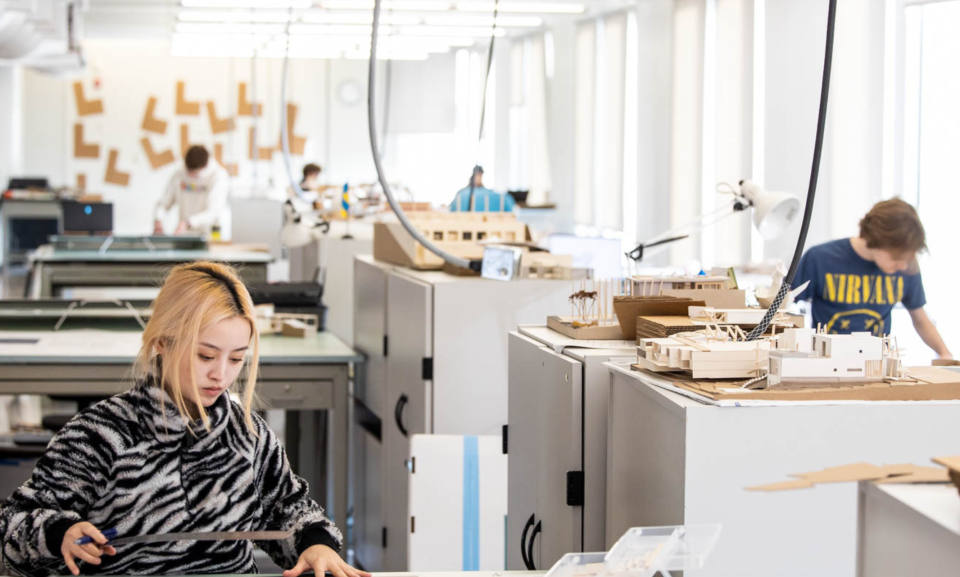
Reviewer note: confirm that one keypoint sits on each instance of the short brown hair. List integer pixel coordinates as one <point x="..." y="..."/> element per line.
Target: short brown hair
<point x="894" y="225"/>
<point x="310" y="169"/>
<point x="196" y="157"/>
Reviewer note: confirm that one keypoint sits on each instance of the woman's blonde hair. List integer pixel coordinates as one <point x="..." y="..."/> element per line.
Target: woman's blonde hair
<point x="195" y="296"/>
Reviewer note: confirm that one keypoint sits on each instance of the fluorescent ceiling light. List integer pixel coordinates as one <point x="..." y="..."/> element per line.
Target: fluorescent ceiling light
<point x="232" y="16"/>
<point x="461" y="31"/>
<point x="470" y="20"/>
<point x="295" y="4"/>
<point x="416" y="5"/>
<point x="395" y="55"/>
<point x="336" y="29"/>
<point x="524" y="7"/>
<point x="234" y="28"/>
<point x="322" y="17"/>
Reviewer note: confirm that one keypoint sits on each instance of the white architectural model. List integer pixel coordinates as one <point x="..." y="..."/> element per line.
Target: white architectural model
<point x="809" y="355"/>
<point x="727" y="316"/>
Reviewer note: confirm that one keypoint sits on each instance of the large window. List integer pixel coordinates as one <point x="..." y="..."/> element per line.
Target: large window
<point x="932" y="157"/>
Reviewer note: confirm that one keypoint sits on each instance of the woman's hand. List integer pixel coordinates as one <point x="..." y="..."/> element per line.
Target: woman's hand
<point x="321" y="559"/>
<point x="91" y="552"/>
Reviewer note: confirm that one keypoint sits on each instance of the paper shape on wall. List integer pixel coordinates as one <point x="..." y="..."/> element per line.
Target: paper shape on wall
<point x="218" y="125"/>
<point x="184" y="139"/>
<point x="150" y="122"/>
<point x="114" y="176"/>
<point x="82" y="182"/>
<point x="232" y="168"/>
<point x="82" y="149"/>
<point x="86" y="107"/>
<point x="156" y="159"/>
<point x="297" y="143"/>
<point x="245" y="107"/>
<point x="262" y="153"/>
<point x="184" y="106"/>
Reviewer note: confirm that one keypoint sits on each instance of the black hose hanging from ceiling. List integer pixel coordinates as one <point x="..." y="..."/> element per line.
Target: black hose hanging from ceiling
<point x="814" y="174"/>
<point x="483" y="100"/>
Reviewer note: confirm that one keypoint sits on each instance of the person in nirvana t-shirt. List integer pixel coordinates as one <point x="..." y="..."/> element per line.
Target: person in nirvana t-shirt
<point x="855" y="282"/>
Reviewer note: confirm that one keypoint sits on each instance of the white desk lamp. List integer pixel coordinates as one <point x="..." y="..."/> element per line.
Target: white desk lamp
<point x="773" y="213"/>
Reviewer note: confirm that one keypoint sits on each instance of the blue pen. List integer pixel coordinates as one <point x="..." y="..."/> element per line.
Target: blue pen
<point x="109" y="534"/>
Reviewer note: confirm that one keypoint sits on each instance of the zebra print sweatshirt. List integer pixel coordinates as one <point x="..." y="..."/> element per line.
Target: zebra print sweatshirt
<point x="130" y="462"/>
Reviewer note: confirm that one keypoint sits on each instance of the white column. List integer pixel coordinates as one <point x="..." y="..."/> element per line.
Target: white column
<point x="11" y="123"/>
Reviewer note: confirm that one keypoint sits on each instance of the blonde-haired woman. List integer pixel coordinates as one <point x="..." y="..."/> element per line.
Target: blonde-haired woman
<point x="173" y="454"/>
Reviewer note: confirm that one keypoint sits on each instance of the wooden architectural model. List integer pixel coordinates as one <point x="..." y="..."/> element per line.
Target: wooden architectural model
<point x="811" y="355"/>
<point x="654" y="285"/>
<point x="592" y="314"/>
<point x="704" y="356"/>
<point x="287" y="324"/>
<point x="459" y="233"/>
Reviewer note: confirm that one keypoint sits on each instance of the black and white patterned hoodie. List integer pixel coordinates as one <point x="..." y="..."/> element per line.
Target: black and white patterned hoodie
<point x="130" y="462"/>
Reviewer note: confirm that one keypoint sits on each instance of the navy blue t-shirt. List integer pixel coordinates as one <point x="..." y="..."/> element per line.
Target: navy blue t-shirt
<point x="850" y="294"/>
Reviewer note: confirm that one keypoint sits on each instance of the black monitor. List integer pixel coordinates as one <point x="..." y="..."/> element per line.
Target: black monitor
<point x="28" y="183"/>
<point x="87" y="217"/>
<point x="520" y="196"/>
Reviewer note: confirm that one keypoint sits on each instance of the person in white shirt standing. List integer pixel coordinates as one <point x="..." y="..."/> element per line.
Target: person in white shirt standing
<point x="199" y="190"/>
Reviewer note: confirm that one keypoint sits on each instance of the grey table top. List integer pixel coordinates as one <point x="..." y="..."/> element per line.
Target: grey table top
<point x="94" y="347"/>
<point x="47" y="254"/>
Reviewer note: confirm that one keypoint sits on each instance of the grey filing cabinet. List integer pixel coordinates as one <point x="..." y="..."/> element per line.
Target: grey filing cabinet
<point x="557" y="447"/>
<point x="436" y="348"/>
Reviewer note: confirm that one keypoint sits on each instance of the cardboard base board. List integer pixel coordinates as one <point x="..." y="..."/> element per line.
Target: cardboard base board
<point x="598" y="333"/>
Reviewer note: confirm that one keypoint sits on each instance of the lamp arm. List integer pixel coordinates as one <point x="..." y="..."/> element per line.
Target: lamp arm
<point x="678" y="233"/>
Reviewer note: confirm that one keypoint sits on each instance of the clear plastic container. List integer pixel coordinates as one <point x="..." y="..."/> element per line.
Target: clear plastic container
<point x="579" y="565"/>
<point x="643" y="551"/>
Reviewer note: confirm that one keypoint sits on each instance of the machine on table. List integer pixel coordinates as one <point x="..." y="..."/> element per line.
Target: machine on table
<point x="302" y="376"/>
<point x="436" y="348"/>
<point x="119" y="261"/>
<point x="557" y="445"/>
<point x="675" y="460"/>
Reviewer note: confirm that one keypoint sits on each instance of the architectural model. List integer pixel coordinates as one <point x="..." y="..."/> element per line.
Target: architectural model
<point x="655" y="285"/>
<point x="811" y="355"/>
<point x="704" y="356"/>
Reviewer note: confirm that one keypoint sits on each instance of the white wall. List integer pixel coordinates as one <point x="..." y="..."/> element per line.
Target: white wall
<point x="128" y="72"/>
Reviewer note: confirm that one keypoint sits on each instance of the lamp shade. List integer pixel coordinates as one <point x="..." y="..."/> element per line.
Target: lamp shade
<point x="773" y="212"/>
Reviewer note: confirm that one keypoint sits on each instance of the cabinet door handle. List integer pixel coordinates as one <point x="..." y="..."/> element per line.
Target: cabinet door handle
<point x="533" y="537"/>
<point x="523" y="543"/>
<point x="398" y="414"/>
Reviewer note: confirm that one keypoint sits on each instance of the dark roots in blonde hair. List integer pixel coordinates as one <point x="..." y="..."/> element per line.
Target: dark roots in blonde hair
<point x="195" y="296"/>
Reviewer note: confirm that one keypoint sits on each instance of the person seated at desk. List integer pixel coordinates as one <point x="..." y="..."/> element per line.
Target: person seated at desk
<point x="173" y="454"/>
<point x="199" y="190"/>
<point x="856" y="282"/>
<point x="484" y="199"/>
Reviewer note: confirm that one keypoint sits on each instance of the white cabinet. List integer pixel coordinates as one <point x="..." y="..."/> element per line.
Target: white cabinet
<point x="556" y="448"/>
<point x="436" y="346"/>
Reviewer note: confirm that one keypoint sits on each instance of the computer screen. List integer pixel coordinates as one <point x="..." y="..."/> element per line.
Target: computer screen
<point x="89" y="217"/>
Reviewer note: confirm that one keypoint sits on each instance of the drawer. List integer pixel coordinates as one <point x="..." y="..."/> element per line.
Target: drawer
<point x="296" y="395"/>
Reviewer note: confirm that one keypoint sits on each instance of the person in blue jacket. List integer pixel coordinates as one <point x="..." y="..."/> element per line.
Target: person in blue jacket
<point x="484" y="199"/>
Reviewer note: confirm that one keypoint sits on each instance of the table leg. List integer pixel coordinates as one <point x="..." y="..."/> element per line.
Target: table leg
<point x="338" y="446"/>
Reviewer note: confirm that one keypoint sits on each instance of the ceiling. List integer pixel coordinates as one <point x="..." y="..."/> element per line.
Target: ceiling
<point x="326" y="28"/>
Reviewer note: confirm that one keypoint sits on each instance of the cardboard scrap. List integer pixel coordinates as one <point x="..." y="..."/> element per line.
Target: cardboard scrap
<point x="932" y="375"/>
<point x="718" y="299"/>
<point x="952" y="463"/>
<point x="297" y="143"/>
<point x="946" y="363"/>
<point x="150" y="122"/>
<point x="855" y="472"/>
<point x="232" y="168"/>
<point x="844" y="474"/>
<point x="919" y="475"/>
<point x="113" y="175"/>
<point x="628" y="308"/>
<point x="783" y="486"/>
<point x="86" y="107"/>
<point x="184" y="106"/>
<point x="218" y="125"/>
<point x="80" y="148"/>
<point x="244" y="106"/>
<point x="258" y="151"/>
<point x="156" y="159"/>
